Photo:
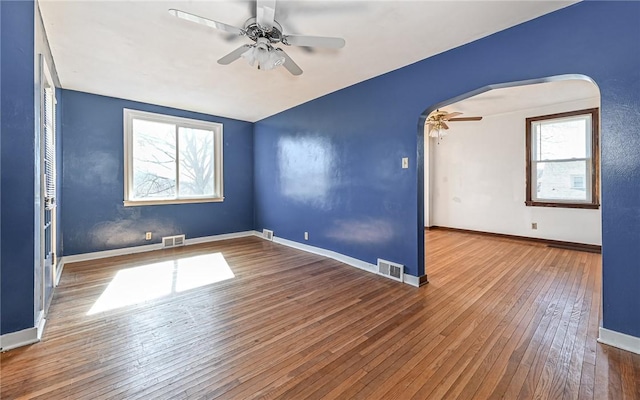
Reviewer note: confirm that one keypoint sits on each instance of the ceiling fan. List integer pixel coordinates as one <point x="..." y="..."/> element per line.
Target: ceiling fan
<point x="266" y="33"/>
<point x="436" y="122"/>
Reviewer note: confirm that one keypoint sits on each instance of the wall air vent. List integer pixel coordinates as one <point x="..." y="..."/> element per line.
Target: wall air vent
<point x="267" y="234"/>
<point x="391" y="270"/>
<point x="178" y="240"/>
<point x="172" y="241"/>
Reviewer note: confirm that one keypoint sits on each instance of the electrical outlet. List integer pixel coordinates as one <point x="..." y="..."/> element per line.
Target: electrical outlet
<point x="534" y="225"/>
<point x="405" y="162"/>
<point x="306" y="236"/>
<point x="147" y="236"/>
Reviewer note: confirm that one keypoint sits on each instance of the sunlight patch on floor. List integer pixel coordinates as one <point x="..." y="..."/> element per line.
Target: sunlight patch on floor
<point x="147" y="282"/>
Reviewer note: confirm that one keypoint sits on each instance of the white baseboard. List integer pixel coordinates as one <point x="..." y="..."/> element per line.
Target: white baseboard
<point x="142" y="249"/>
<point x="411" y="280"/>
<point x="24" y="337"/>
<point x="354" y="262"/>
<point x="619" y="340"/>
<point x="12" y="340"/>
<point x="215" y="238"/>
<point x="32" y="335"/>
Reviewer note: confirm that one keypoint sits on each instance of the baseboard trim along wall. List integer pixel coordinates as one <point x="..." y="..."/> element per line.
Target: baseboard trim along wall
<point x="591" y="248"/>
<point x="32" y="335"/>
<point x="619" y="340"/>
<point x="24" y="337"/>
<point x="416" y="281"/>
<point x="142" y="249"/>
<point x="354" y="262"/>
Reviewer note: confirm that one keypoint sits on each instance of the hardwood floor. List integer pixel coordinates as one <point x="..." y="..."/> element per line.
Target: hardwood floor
<point x="500" y="318"/>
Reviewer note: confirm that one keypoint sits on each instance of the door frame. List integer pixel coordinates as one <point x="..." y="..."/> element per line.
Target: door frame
<point x="46" y="80"/>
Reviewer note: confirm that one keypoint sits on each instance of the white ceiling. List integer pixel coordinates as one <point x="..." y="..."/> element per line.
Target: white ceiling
<point x="506" y="100"/>
<point x="136" y="50"/>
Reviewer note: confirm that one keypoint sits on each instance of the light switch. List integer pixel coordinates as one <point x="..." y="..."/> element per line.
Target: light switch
<point x="405" y="162"/>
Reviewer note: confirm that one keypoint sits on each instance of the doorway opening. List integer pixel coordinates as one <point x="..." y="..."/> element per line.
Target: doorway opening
<point x="481" y="167"/>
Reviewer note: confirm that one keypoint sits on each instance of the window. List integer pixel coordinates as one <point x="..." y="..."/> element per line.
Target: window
<point x="171" y="160"/>
<point x="562" y="160"/>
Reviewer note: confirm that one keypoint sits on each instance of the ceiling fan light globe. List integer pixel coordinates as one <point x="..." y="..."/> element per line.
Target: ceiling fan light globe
<point x="265" y="58"/>
<point x="272" y="62"/>
<point x="262" y="56"/>
<point x="250" y="56"/>
<point x="438" y="133"/>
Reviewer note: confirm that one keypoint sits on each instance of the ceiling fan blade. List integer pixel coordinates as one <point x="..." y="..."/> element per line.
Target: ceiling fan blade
<point x="313" y="41"/>
<point x="234" y="55"/>
<point x="292" y="28"/>
<point x="444" y="125"/>
<point x="208" y="22"/>
<point x="289" y="64"/>
<point x="265" y="13"/>
<point x="450" y="115"/>
<point x="465" y="119"/>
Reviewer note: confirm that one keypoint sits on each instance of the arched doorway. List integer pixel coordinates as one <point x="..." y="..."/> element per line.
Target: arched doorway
<point x="469" y="201"/>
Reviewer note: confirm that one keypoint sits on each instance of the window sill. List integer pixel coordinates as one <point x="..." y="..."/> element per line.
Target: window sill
<point x="136" y="203"/>
<point x="589" y="206"/>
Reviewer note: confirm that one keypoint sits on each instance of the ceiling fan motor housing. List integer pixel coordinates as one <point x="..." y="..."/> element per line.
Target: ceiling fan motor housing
<point x="255" y="31"/>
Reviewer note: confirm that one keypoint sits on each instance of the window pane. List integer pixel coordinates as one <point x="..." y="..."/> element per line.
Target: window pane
<point x="196" y="162"/>
<point x="562" y="139"/>
<point x="154" y="165"/>
<point x="562" y="181"/>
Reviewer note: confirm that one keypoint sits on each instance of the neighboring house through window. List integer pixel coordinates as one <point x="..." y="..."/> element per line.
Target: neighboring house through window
<point x="171" y="160"/>
<point x="562" y="160"/>
<point x="578" y="182"/>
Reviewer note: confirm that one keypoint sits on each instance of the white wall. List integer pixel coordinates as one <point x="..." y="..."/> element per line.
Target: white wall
<point x="477" y="181"/>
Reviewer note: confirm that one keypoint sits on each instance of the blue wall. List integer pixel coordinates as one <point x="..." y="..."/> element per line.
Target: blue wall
<point x="93" y="214"/>
<point x="332" y="166"/>
<point x="17" y="158"/>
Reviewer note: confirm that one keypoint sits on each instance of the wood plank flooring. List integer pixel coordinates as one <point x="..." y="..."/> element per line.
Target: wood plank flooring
<point x="500" y="318"/>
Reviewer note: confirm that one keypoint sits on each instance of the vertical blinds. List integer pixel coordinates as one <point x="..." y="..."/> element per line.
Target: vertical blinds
<point x="50" y="143"/>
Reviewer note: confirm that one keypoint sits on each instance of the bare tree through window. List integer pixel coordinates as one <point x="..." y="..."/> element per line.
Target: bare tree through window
<point x="196" y="162"/>
<point x="172" y="161"/>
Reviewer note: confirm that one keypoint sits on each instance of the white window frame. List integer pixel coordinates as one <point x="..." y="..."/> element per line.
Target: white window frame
<point x="179" y="122"/>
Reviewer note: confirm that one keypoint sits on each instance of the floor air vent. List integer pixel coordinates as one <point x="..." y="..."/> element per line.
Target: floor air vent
<point x="391" y="270"/>
<point x="267" y="234"/>
<point x="173" y="241"/>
